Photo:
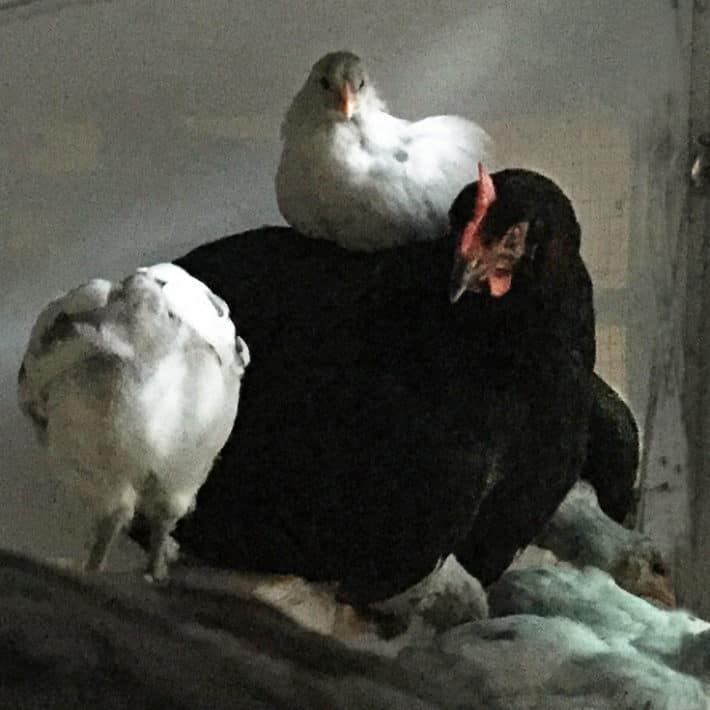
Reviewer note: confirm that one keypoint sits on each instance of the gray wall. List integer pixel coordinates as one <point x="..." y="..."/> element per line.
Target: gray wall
<point x="131" y="131"/>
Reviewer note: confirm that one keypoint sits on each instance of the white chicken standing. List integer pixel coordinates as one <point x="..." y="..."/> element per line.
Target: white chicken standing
<point x="352" y="173"/>
<point x="134" y="388"/>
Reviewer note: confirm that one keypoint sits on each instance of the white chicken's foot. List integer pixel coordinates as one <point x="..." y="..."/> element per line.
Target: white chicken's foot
<point x="162" y="549"/>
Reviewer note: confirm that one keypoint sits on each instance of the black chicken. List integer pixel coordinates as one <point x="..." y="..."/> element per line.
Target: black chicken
<point x="382" y="427"/>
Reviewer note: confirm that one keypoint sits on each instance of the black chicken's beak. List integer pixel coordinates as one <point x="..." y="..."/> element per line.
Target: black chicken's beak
<point x="462" y="275"/>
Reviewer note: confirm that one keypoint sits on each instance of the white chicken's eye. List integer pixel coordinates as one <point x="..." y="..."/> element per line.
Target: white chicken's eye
<point x="324" y="83"/>
<point x="362" y="83"/>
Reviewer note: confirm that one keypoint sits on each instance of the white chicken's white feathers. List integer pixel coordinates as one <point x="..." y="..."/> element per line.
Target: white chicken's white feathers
<point x="376" y="180"/>
<point x="185" y="296"/>
<point x="134" y="388"/>
<point x="39" y="368"/>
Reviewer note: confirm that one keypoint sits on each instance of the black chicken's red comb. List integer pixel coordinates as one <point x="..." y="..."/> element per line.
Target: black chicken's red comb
<point x="485" y="196"/>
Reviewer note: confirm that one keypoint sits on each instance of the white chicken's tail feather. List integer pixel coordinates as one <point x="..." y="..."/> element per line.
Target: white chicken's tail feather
<point x="453" y="143"/>
<point x="441" y="154"/>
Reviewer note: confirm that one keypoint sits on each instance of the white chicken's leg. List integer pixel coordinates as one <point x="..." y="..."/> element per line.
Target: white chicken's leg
<point x="162" y="547"/>
<point x="165" y="514"/>
<point x="106" y="530"/>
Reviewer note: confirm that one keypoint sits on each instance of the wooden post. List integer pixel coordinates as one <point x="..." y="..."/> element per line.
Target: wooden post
<point x="694" y="564"/>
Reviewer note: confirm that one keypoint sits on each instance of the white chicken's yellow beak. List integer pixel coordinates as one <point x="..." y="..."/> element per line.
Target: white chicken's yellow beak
<point x="347" y="100"/>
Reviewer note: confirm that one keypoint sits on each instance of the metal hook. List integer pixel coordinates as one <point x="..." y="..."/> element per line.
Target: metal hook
<point x="700" y="172"/>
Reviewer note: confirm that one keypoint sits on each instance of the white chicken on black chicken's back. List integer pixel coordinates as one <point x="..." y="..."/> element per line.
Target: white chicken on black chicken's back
<point x="354" y="174"/>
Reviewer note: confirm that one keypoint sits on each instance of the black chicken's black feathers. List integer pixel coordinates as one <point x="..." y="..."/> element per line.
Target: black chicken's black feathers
<point x="381" y="427"/>
<point x="613" y="455"/>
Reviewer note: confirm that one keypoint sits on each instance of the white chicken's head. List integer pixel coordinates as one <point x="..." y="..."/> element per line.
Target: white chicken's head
<point x="339" y="84"/>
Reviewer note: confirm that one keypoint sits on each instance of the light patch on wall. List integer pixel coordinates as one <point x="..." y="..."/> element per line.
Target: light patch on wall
<point x="589" y="154"/>
<point x="611" y="356"/>
<point x="51" y="148"/>
<point x="255" y="126"/>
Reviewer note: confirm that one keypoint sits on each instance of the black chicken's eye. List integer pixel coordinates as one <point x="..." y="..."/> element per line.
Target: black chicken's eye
<point x="324" y="83"/>
<point x="362" y="83"/>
